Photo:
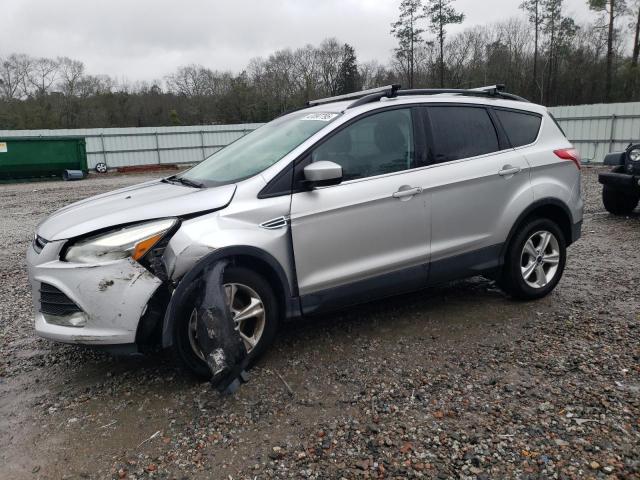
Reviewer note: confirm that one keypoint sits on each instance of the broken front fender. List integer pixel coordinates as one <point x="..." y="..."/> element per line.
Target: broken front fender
<point x="187" y="284"/>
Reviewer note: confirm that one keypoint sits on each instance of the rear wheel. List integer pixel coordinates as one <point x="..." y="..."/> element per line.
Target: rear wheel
<point x="617" y="202"/>
<point x="255" y="314"/>
<point x="535" y="260"/>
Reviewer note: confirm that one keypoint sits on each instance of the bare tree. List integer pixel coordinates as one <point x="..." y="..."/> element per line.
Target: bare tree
<point x="90" y="85"/>
<point x="330" y="55"/>
<point x="373" y="74"/>
<point x="13" y="73"/>
<point x="189" y="81"/>
<point x="306" y="60"/>
<point x="269" y="86"/>
<point x="71" y="73"/>
<point x="42" y="75"/>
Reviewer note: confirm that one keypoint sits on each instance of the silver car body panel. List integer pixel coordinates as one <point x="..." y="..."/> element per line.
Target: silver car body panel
<point x="384" y="233"/>
<point x="551" y="178"/>
<point x="356" y="232"/>
<point x="472" y="205"/>
<point x="237" y="225"/>
<point x="147" y="201"/>
<point x="112" y="295"/>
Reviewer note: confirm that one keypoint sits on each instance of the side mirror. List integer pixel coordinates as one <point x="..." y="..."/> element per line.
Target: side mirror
<point x="322" y="174"/>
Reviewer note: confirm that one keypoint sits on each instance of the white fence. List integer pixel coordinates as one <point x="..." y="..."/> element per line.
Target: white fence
<point x="120" y="147"/>
<point x="595" y="130"/>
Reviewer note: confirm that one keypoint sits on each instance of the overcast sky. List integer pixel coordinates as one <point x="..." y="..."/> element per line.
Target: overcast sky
<point x="147" y="39"/>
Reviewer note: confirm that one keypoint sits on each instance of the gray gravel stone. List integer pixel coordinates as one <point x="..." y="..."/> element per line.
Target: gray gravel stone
<point x="457" y="381"/>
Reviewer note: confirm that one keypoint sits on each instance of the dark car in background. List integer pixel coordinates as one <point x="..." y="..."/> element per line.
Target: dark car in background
<point x="621" y="186"/>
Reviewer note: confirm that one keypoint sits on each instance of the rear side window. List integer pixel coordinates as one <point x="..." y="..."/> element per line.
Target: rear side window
<point x="521" y="128"/>
<point x="461" y="132"/>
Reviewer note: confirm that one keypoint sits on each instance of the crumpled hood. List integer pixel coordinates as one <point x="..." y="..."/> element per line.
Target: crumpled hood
<point x="146" y="201"/>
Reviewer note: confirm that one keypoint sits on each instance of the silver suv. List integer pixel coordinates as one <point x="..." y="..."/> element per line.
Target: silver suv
<point x="353" y="198"/>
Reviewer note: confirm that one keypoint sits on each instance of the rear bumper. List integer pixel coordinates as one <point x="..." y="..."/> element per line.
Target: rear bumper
<point x="620" y="181"/>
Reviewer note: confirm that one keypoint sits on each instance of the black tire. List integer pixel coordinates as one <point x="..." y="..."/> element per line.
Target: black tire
<point x="617" y="202"/>
<point x="182" y="346"/>
<point x="512" y="280"/>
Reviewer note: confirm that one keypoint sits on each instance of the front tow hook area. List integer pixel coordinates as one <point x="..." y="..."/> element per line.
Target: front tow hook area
<point x="217" y="337"/>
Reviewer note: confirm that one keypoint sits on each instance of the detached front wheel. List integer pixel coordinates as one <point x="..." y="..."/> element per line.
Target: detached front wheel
<point x="254" y="310"/>
<point x="617" y="202"/>
<point x="535" y="260"/>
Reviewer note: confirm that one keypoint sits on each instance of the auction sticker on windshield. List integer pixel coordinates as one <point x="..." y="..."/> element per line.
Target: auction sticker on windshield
<point x="323" y="117"/>
<point x="3" y="147"/>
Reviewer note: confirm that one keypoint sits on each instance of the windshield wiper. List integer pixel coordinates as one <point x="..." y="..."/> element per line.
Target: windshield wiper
<point x="183" y="181"/>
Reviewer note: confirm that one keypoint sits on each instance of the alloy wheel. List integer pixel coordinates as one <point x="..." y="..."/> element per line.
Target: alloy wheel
<point x="248" y="312"/>
<point x="540" y="259"/>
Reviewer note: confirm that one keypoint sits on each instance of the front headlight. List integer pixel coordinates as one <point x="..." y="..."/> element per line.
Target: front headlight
<point x="634" y="155"/>
<point x="128" y="242"/>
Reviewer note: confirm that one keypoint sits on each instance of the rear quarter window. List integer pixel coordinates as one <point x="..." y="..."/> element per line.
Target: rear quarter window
<point x="521" y="128"/>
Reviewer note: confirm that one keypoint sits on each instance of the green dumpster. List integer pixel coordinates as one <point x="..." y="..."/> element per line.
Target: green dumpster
<point x="40" y="157"/>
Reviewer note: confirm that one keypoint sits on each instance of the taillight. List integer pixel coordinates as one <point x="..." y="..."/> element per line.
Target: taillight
<point x="569" y="154"/>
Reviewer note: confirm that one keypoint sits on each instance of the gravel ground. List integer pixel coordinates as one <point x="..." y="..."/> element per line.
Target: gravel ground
<point x="457" y="381"/>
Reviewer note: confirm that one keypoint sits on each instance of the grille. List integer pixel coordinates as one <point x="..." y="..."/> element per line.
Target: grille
<point x="54" y="302"/>
<point x="39" y="243"/>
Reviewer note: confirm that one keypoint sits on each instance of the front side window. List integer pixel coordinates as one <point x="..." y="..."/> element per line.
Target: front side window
<point x="375" y="145"/>
<point x="258" y="150"/>
<point x="461" y="132"/>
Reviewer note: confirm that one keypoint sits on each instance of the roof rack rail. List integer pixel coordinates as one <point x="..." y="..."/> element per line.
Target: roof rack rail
<point x="496" y="91"/>
<point x="488" y="92"/>
<point x="499" y="90"/>
<point x="380" y="92"/>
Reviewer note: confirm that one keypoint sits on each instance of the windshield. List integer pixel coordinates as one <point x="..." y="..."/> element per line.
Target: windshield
<point x="258" y="150"/>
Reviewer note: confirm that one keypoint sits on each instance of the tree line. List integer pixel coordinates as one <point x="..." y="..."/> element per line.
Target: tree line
<point x="543" y="55"/>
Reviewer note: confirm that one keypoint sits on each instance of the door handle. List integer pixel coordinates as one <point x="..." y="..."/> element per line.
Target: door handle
<point x="410" y="192"/>
<point x="508" y="170"/>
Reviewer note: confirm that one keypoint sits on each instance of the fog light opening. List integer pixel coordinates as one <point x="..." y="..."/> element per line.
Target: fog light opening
<point x="77" y="320"/>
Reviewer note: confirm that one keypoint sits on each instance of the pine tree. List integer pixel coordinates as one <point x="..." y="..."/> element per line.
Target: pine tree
<point x="552" y="18"/>
<point x="409" y="35"/>
<point x="348" y="76"/>
<point x="613" y="8"/>
<point x="533" y="8"/>
<point x="441" y="13"/>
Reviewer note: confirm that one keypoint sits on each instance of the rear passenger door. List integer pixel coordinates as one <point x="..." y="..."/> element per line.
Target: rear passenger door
<point x="478" y="185"/>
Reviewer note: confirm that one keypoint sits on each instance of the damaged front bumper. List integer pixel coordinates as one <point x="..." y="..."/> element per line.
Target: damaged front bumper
<point x="88" y="304"/>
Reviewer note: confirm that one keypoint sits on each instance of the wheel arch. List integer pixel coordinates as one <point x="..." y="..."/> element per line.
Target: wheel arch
<point x="550" y="208"/>
<point x="249" y="257"/>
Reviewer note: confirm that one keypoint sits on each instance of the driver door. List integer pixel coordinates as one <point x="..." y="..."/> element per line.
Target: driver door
<point x="369" y="235"/>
